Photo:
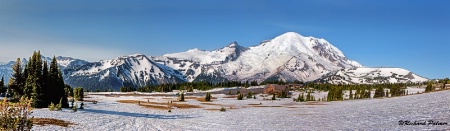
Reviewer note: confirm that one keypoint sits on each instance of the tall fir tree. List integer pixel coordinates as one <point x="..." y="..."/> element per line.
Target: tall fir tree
<point x="2" y="85"/>
<point x="351" y="94"/>
<point x="17" y="82"/>
<point x="28" y="88"/>
<point x="57" y="84"/>
<point x="45" y="85"/>
<point x="34" y="80"/>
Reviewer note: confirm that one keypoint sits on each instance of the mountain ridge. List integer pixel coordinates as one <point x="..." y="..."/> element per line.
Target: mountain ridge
<point x="289" y="57"/>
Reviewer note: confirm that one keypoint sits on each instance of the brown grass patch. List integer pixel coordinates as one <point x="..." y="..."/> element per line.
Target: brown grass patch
<point x="184" y="106"/>
<point x="291" y="107"/>
<point x="130" y="94"/>
<point x="254" y="104"/>
<point x="51" y="121"/>
<point x="230" y="96"/>
<point x="158" y="105"/>
<point x="190" y="97"/>
<point x="155" y="107"/>
<point x="267" y="106"/>
<point x="315" y="103"/>
<point x="201" y="100"/>
<point x="213" y="104"/>
<point x="128" y="101"/>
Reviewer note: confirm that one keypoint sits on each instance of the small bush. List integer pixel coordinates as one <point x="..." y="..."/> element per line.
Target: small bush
<point x="51" y="106"/>
<point x="223" y="109"/>
<point x="273" y="97"/>
<point x="74" y="107"/>
<point x="208" y="97"/>
<point x="249" y="95"/>
<point x="16" y="116"/>
<point x="240" y="96"/>
<point x="182" y="96"/>
<point x="78" y="93"/>
<point x="81" y="105"/>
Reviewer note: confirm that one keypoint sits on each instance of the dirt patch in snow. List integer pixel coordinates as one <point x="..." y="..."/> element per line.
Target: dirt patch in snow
<point x="315" y="103"/>
<point x="157" y="105"/>
<point x="51" y="121"/>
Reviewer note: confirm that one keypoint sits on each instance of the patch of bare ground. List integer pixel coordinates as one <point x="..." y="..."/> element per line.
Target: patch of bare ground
<point x="230" y="96"/>
<point x="157" y="105"/>
<point x="190" y="97"/>
<point x="291" y="107"/>
<point x="185" y="106"/>
<point x="315" y="103"/>
<point x="203" y="99"/>
<point x="267" y="106"/>
<point x="254" y="104"/>
<point x="213" y="104"/>
<point x="51" y="121"/>
<point x="131" y="94"/>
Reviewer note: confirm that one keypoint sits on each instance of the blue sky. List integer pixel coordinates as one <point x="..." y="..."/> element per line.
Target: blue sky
<point x="414" y="35"/>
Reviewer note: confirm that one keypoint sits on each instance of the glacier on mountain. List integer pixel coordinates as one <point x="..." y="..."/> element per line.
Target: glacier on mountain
<point x="287" y="57"/>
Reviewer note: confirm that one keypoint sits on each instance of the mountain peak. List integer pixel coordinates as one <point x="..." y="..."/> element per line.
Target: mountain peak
<point x="233" y="44"/>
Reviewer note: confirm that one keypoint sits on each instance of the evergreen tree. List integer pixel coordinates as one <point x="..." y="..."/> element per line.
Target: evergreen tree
<point x="240" y="96"/>
<point x="2" y="85"/>
<point x="34" y="81"/>
<point x="208" y="97"/>
<point x="57" y="84"/>
<point x="308" y="96"/>
<point x="17" y="82"/>
<point x="429" y="87"/>
<point x="249" y="95"/>
<point x="351" y="94"/>
<point x="182" y="96"/>
<point x="45" y="85"/>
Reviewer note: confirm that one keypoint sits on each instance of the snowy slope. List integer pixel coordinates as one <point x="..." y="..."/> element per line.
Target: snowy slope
<point x="133" y="71"/>
<point x="289" y="56"/>
<point x="283" y="114"/>
<point x="364" y="75"/>
<point x="224" y="54"/>
<point x="198" y="64"/>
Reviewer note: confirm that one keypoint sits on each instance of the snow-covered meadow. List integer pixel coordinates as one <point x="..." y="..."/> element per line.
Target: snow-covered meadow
<point x="255" y="114"/>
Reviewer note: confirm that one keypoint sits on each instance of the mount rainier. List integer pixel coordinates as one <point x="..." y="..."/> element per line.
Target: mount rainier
<point x="287" y="57"/>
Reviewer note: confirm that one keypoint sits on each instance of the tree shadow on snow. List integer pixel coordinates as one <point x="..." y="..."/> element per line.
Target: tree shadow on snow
<point x="154" y="116"/>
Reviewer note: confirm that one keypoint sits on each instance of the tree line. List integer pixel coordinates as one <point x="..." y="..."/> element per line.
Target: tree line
<point x="37" y="80"/>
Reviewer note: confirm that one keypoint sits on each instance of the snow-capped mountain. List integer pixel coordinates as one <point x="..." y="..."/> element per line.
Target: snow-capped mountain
<point x="132" y="71"/>
<point x="218" y="56"/>
<point x="287" y="57"/>
<point x="364" y="75"/>
<point x="195" y="62"/>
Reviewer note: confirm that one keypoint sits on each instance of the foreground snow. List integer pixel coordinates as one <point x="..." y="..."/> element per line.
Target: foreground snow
<point x="371" y="114"/>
